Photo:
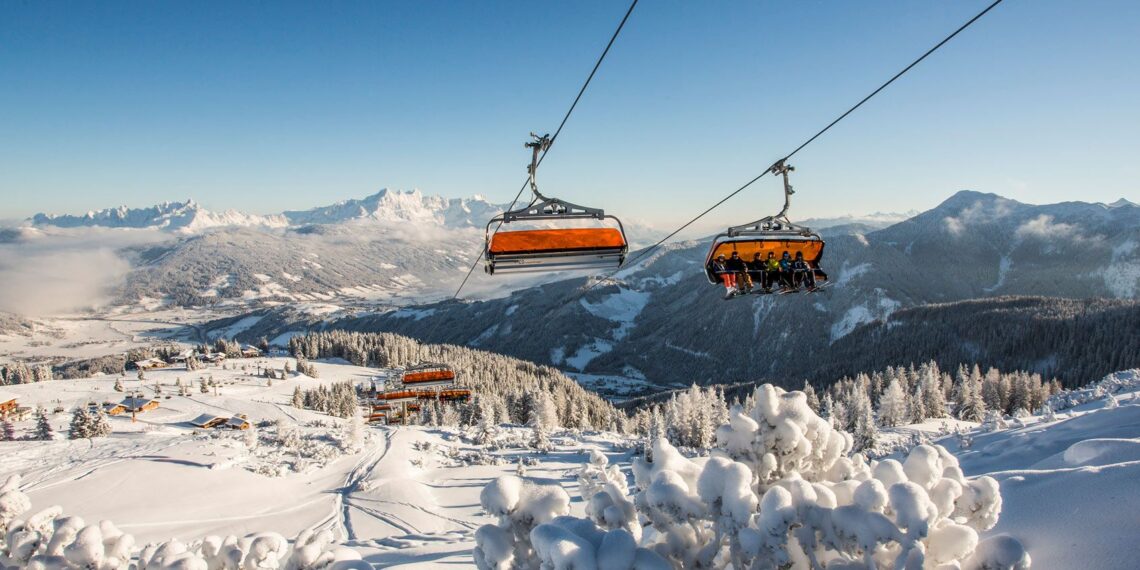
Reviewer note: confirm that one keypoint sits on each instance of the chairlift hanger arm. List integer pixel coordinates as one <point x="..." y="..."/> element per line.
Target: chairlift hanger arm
<point x="538" y="147"/>
<point x="782" y="168"/>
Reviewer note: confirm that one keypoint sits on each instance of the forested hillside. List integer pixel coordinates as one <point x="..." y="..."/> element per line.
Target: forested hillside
<point x="505" y="379"/>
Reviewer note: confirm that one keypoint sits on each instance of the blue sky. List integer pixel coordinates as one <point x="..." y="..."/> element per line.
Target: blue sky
<point x="265" y="106"/>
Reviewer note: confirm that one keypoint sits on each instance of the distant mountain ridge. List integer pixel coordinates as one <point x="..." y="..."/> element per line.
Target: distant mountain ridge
<point x="663" y="322"/>
<point x="172" y="216"/>
<point x="384" y="206"/>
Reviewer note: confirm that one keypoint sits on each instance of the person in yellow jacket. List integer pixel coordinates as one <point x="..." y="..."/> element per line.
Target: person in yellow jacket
<point x="772" y="271"/>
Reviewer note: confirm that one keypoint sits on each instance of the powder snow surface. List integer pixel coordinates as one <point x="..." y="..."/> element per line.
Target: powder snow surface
<point x="1069" y="487"/>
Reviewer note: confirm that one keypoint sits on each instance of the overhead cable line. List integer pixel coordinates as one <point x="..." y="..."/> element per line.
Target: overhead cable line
<point x="641" y="255"/>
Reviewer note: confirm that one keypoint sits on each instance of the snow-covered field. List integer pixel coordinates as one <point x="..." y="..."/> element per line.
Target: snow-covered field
<point x="411" y="498"/>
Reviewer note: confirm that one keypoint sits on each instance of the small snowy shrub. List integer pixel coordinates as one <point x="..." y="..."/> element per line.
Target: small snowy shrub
<point x="782" y="489"/>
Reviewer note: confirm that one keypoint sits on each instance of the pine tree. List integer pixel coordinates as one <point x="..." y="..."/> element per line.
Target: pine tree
<point x="298" y="398"/>
<point x="100" y="427"/>
<point x="119" y="385"/>
<point x="203" y="387"/>
<point x="865" y="432"/>
<point x="933" y="398"/>
<point x="916" y="406"/>
<point x="44" y="431"/>
<point x="893" y="405"/>
<point x="542" y="419"/>
<point x="812" y="398"/>
<point x="7" y="431"/>
<point x="968" y="397"/>
<point x="826" y="407"/>
<point x="80" y="427"/>
<point x="485" y="430"/>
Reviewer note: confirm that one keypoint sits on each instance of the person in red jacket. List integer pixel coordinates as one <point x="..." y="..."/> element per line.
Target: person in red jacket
<point x="727" y="275"/>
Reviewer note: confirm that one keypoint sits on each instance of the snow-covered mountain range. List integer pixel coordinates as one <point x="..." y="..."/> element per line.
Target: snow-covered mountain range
<point x="662" y="320"/>
<point x="386" y="206"/>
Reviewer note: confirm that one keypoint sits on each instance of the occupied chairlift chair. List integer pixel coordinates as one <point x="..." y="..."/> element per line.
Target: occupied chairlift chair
<point x="555" y="249"/>
<point x="771" y="234"/>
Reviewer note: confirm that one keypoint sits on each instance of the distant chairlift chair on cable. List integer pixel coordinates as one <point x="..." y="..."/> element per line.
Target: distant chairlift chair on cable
<point x="774" y="234"/>
<point x="428" y="374"/>
<point x="554" y="249"/>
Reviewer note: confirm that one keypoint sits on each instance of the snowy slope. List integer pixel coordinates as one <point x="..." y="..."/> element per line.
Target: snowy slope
<point x="411" y="497"/>
<point x="1069" y="487"/>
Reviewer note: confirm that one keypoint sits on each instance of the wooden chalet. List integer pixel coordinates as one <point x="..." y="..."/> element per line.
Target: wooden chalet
<point x="8" y="404"/>
<point x="238" y="422"/>
<point x="207" y="421"/>
<point x="149" y="364"/>
<point x="136" y="405"/>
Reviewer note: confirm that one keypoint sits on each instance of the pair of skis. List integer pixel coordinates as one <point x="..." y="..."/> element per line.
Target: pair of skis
<point x="782" y="291"/>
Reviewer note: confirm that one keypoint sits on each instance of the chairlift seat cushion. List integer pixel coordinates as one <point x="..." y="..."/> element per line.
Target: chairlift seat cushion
<point x="547" y="241"/>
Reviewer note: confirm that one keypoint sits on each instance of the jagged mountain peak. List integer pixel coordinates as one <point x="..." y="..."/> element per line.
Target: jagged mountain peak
<point x="185" y="216"/>
<point x="385" y="205"/>
<point x="401" y="206"/>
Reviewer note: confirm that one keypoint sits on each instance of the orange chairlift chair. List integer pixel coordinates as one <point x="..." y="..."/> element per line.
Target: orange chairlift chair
<point x="428" y="374"/>
<point x="553" y="249"/>
<point x="771" y="234"/>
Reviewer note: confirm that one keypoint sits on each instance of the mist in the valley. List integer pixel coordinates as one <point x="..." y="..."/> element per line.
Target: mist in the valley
<point x="48" y="273"/>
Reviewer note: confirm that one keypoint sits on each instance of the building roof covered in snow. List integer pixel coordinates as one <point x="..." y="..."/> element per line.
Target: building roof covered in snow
<point x="6" y="397"/>
<point x="139" y="404"/>
<point x="208" y="421"/>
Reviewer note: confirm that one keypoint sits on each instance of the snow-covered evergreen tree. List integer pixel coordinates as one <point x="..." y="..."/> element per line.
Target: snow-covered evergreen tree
<point x="100" y="426"/>
<point x="543" y="418"/>
<point x="970" y="406"/>
<point x="7" y="430"/>
<point x="863" y="419"/>
<point x="893" y="405"/>
<point x="80" y="427"/>
<point x="486" y="430"/>
<point x="933" y="398"/>
<point x="916" y="406"/>
<point x="812" y="398"/>
<point x="119" y="385"/>
<point x="43" y="431"/>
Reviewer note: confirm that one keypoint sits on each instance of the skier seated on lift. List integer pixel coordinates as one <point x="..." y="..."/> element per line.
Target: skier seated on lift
<point x="720" y="268"/>
<point x="756" y="272"/>
<point x="737" y="266"/>
<point x="786" y="270"/>
<point x="802" y="272"/>
<point x="771" y="271"/>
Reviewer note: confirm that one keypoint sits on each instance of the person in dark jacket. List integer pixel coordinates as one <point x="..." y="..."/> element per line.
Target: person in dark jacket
<point x="756" y="272"/>
<point x="736" y="264"/>
<point x="720" y="268"/>
<point x="802" y="272"/>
